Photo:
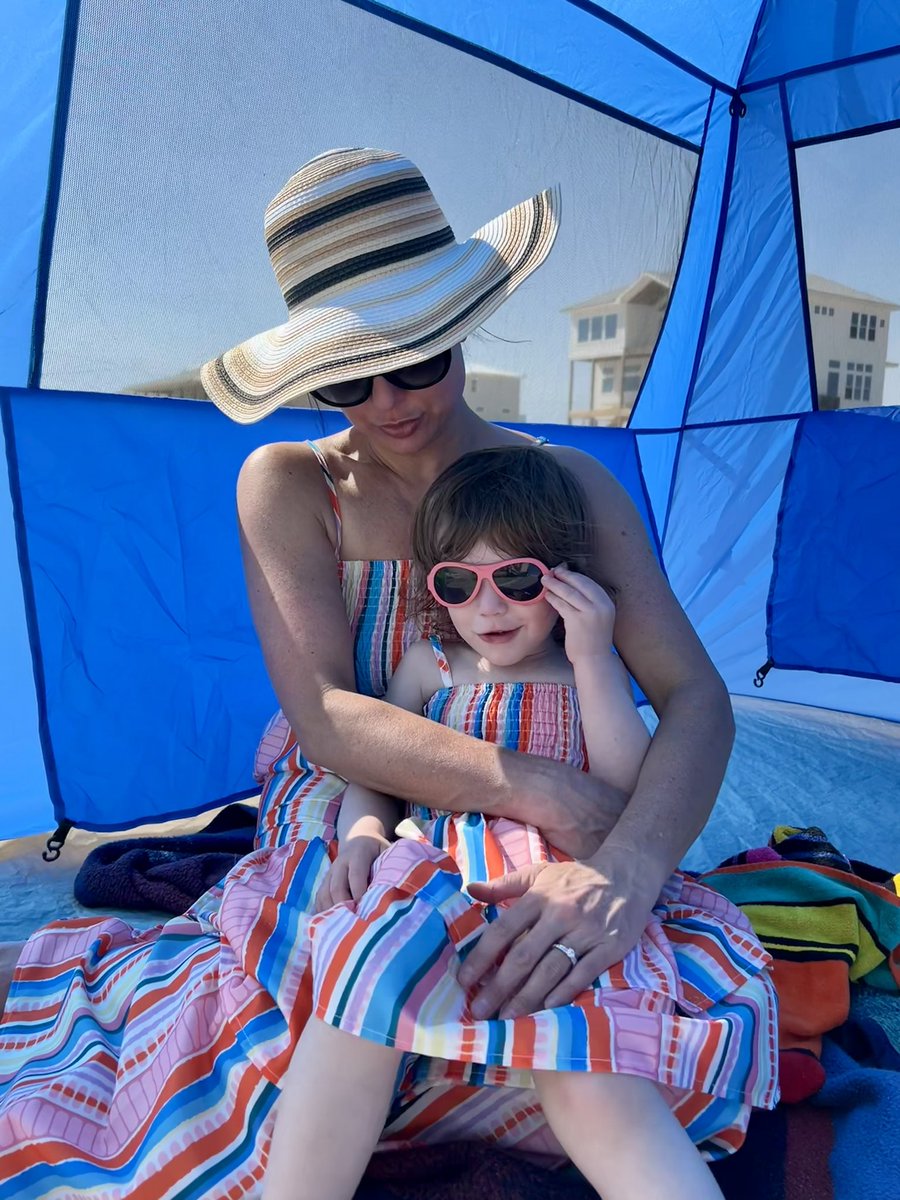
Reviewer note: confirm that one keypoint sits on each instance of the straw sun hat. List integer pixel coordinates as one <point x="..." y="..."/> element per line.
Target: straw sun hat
<point x="373" y="279"/>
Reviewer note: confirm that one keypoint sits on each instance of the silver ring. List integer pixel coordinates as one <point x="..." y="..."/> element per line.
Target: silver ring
<point x="567" y="951"/>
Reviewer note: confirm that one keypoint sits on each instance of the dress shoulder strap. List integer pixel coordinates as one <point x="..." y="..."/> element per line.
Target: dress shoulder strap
<point x="332" y="495"/>
<point x="443" y="665"/>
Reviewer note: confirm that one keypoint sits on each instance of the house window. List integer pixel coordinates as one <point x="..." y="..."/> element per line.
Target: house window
<point x="858" y="383"/>
<point x="607" y="379"/>
<point x="473" y="386"/>
<point x="631" y="380"/>
<point x="596" y="329"/>
<point x="584" y="330"/>
<point x="862" y="326"/>
<point x="834" y="379"/>
<point x="831" y="312"/>
<point x="611" y="325"/>
<point x="882" y="322"/>
<point x="818" y="309"/>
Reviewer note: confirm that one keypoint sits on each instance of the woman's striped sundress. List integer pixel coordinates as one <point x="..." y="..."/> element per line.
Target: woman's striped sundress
<point x="145" y="1063"/>
<point x="691" y="1007"/>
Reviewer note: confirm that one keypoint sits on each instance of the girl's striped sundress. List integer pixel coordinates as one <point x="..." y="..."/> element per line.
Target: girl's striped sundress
<point x="691" y="1007"/>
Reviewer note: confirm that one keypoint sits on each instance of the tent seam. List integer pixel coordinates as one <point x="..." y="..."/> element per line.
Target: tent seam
<point x="506" y="64"/>
<point x="800" y="251"/>
<point x="644" y="39"/>
<point x="54" y="187"/>
<point x="860" y="131"/>
<point x="707" y="307"/>
<point x="31" y="618"/>
<point x="838" y="64"/>
<point x="684" y="240"/>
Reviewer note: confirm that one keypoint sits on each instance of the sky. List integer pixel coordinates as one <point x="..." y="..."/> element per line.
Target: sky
<point x="160" y="262"/>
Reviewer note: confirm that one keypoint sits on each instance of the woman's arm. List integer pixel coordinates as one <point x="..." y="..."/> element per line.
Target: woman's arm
<point x="285" y="518"/>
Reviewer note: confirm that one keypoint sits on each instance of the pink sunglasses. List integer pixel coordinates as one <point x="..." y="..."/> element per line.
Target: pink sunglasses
<point x="518" y="580"/>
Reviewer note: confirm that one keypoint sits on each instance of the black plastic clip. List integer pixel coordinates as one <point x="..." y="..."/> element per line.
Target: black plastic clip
<point x="760" y="677"/>
<point x="737" y="107"/>
<point x="56" y="841"/>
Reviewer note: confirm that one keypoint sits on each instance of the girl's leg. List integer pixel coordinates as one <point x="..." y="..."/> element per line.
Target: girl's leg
<point x="329" y="1117"/>
<point x="623" y="1137"/>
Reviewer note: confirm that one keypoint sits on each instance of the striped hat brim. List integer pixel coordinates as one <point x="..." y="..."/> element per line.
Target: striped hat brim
<point x="384" y="316"/>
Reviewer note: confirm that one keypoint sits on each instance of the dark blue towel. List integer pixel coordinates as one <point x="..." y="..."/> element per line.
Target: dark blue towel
<point x="165" y="874"/>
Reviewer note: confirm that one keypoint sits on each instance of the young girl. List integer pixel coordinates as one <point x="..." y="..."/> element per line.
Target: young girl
<point x="672" y="1045"/>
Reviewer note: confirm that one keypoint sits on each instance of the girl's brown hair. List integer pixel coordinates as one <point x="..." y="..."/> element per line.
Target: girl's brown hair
<point x="518" y="499"/>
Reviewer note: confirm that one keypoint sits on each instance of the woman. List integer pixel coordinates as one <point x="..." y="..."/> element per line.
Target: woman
<point x="149" y="1063"/>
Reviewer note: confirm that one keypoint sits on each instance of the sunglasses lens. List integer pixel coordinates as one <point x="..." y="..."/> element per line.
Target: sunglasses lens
<point x="454" y="585"/>
<point x="519" y="581"/>
<point x="422" y="375"/>
<point x="344" y="395"/>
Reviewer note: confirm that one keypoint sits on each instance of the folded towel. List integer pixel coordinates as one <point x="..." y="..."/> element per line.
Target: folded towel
<point x="165" y="874"/>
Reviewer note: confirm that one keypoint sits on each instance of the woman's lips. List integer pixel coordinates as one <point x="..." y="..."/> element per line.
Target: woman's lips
<point x="401" y="429"/>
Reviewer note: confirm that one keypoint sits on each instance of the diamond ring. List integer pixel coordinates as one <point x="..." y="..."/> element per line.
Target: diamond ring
<point x="567" y="951"/>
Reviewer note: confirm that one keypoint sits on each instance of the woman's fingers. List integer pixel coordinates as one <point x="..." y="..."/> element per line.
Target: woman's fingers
<point x="581" y="976"/>
<point x="547" y="970"/>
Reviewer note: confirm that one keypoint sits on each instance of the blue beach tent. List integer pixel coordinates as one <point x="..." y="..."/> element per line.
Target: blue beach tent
<point x="132" y="683"/>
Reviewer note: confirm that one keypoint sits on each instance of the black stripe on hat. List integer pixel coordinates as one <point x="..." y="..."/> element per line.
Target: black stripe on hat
<point x="386" y="257"/>
<point x="347" y="204"/>
<point x="230" y="386"/>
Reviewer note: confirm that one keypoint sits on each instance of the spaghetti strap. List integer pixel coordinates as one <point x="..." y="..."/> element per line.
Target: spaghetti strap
<point x="443" y="665"/>
<point x="332" y="495"/>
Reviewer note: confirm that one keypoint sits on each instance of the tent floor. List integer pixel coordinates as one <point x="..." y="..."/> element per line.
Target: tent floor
<point x="790" y="766"/>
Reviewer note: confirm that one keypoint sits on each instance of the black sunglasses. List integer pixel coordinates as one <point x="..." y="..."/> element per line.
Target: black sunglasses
<point x="411" y="379"/>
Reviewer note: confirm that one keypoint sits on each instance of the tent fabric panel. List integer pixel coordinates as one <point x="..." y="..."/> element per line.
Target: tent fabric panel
<point x="615" y="448"/>
<point x="805" y="34"/>
<point x="657" y="453"/>
<point x="30" y="52"/>
<point x="664" y="393"/>
<point x="155" y="690"/>
<point x="25" y="804"/>
<point x="721" y="530"/>
<point x="576" y="55"/>
<point x="844" y="100"/>
<point x="718" y="554"/>
<point x="712" y="35"/>
<point x="835" y="589"/>
<point x="755" y="359"/>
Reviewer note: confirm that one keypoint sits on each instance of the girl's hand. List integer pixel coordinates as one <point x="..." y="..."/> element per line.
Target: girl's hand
<point x="587" y="612"/>
<point x="348" y="875"/>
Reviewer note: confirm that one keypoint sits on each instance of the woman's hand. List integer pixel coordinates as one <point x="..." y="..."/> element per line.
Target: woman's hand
<point x="598" y="910"/>
<point x="348" y="875"/>
<point x="576" y="812"/>
<point x="587" y="611"/>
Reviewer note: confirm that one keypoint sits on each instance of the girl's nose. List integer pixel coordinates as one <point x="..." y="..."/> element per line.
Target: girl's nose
<point x="488" y="601"/>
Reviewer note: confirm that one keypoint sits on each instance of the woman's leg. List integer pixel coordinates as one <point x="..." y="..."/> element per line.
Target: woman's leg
<point x="623" y="1137"/>
<point x="10" y="952"/>
<point x="333" y="1106"/>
